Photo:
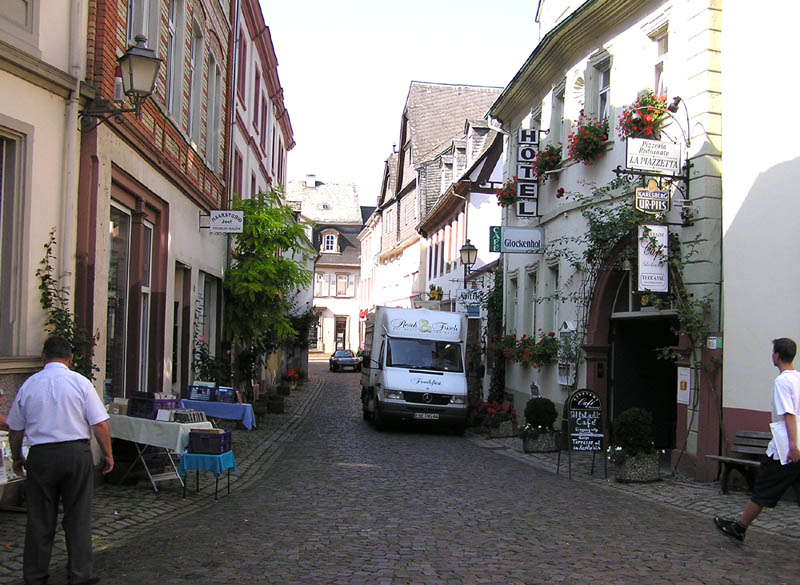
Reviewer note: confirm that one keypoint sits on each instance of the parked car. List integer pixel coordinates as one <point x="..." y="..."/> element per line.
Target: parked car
<point x="344" y="359"/>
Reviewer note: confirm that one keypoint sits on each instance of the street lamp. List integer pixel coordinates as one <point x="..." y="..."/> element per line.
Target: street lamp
<point x="469" y="254"/>
<point x="139" y="68"/>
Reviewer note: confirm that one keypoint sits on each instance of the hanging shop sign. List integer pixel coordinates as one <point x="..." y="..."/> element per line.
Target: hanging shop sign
<point x="651" y="199"/>
<point x="516" y="240"/>
<point x="684" y="385"/>
<point x="226" y="222"/>
<point x="653" y="155"/>
<point x="653" y="269"/>
<point x="468" y="301"/>
<point x="527" y="207"/>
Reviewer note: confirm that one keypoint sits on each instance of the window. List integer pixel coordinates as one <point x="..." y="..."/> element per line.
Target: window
<point x="211" y="311"/>
<point x="554" y="277"/>
<point x="511" y="309"/>
<point x="119" y="235"/>
<point x="345" y="285"/>
<point x="174" y="63"/>
<point x="530" y="304"/>
<point x="598" y="86"/>
<point x="256" y="102"/>
<point x="195" y="82"/>
<point x="387" y="220"/>
<point x="213" y="114"/>
<point x="12" y="196"/>
<point x="264" y="113"/>
<point x="143" y="19"/>
<point x="237" y="172"/>
<point x="322" y="282"/>
<point x="144" y="314"/>
<point x="241" y="81"/>
<point x="330" y="243"/>
<point x="557" y="114"/>
<point x="19" y="22"/>
<point x="661" y="41"/>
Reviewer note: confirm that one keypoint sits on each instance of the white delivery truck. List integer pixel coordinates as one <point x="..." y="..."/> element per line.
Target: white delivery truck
<point x="413" y="367"/>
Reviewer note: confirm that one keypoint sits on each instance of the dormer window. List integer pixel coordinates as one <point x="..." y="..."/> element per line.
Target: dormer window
<point x="330" y="243"/>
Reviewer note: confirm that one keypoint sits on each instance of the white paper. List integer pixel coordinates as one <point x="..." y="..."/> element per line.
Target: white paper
<point x="781" y="438"/>
<point x="164" y="415"/>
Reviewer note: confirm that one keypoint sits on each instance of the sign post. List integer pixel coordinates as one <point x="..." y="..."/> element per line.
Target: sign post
<point x="583" y="414"/>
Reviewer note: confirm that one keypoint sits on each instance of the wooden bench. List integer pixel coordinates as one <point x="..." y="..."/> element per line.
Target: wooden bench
<point x="751" y="444"/>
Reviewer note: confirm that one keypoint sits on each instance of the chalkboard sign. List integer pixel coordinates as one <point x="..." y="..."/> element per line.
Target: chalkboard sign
<point x="585" y="421"/>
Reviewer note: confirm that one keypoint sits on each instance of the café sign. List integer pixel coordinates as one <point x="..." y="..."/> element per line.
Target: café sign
<point x="653" y="155"/>
<point x="651" y="199"/>
<point x="653" y="275"/>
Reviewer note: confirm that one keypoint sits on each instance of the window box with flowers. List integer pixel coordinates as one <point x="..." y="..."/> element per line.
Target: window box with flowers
<point x="588" y="143"/>
<point x="547" y="159"/>
<point x="507" y="194"/>
<point x="644" y="117"/>
<point x="530" y="351"/>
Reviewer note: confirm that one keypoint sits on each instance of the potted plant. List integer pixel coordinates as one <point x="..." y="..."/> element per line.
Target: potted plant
<point x="538" y="435"/>
<point x="633" y="453"/>
<point x="291" y="378"/>
<point x="644" y="117"/>
<point x="547" y="159"/>
<point x="529" y="351"/>
<point x="507" y="194"/>
<point x="500" y="419"/>
<point x="588" y="142"/>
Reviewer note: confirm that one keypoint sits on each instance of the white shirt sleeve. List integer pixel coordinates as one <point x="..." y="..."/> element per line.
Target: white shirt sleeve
<point x="782" y="396"/>
<point x="95" y="411"/>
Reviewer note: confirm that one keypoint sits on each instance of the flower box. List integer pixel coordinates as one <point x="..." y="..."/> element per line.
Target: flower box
<point x="544" y="442"/>
<point x="504" y="429"/>
<point x="640" y="468"/>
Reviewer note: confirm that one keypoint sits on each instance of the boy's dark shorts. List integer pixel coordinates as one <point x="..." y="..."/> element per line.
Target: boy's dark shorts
<point x="773" y="480"/>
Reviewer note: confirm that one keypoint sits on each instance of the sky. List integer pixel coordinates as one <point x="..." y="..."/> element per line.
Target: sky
<point x="346" y="66"/>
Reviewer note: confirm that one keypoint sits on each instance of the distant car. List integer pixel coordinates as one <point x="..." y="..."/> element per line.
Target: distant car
<point x="344" y="359"/>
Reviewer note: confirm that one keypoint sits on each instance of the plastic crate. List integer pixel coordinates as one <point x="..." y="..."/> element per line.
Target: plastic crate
<point x="201" y="392"/>
<point x="142" y="406"/>
<point x="209" y="442"/>
<point x="226" y="394"/>
<point x="167" y="403"/>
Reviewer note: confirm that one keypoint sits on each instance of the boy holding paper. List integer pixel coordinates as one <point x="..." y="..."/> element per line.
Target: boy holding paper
<point x="780" y="466"/>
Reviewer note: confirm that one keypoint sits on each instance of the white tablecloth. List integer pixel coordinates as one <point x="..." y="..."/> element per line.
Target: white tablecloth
<point x="169" y="435"/>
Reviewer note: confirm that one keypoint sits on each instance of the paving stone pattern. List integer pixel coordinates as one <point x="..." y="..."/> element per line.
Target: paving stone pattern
<point x="321" y="497"/>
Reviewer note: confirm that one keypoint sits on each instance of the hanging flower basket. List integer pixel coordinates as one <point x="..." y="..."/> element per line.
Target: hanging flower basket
<point x="644" y="117"/>
<point x="547" y="159"/>
<point x="587" y="144"/>
<point x="507" y="194"/>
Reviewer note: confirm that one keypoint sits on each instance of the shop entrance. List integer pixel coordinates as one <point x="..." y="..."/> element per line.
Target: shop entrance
<point x="639" y="378"/>
<point x="341" y="332"/>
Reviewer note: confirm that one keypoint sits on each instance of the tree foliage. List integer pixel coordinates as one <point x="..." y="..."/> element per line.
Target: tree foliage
<point x="268" y="265"/>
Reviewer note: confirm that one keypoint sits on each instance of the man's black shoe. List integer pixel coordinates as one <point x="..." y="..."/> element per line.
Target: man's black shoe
<point x="730" y="528"/>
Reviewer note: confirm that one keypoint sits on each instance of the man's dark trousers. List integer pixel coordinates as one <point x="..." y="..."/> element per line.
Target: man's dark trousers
<point x="58" y="470"/>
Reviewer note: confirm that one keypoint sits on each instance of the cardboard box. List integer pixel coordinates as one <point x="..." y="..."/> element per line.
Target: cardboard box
<point x="118" y="408"/>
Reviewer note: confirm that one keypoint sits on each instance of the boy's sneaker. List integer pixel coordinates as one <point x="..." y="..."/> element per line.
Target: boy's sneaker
<point x="730" y="528"/>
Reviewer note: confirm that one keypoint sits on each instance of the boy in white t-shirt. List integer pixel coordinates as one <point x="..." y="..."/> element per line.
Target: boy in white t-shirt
<point x="773" y="478"/>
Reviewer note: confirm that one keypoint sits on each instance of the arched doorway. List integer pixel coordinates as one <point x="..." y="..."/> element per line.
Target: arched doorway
<point x="623" y="363"/>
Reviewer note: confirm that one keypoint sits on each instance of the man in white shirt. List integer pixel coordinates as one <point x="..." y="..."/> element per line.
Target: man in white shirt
<point x="58" y="409"/>
<point x="773" y="478"/>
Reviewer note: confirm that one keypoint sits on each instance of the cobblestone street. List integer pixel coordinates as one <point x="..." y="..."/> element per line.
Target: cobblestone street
<point x="321" y="497"/>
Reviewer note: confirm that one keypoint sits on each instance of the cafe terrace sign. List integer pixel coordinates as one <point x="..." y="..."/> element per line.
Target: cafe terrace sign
<point x="516" y="240"/>
<point x="653" y="155"/>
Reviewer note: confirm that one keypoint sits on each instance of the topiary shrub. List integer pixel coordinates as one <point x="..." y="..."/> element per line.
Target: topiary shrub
<point x="541" y="412"/>
<point x="633" y="432"/>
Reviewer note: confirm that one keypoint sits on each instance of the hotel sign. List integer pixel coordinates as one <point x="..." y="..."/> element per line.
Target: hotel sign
<point x="653" y="155"/>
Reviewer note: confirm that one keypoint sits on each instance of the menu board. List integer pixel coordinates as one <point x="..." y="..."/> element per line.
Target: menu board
<point x="585" y="418"/>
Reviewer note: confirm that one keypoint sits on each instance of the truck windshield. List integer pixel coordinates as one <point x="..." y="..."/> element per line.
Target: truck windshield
<point x="441" y="356"/>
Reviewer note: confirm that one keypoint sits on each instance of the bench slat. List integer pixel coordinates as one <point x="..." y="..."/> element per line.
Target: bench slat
<point x="754" y="434"/>
<point x="734" y="460"/>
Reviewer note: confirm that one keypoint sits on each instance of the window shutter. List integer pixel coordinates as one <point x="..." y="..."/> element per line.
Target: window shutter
<point x="351" y="285"/>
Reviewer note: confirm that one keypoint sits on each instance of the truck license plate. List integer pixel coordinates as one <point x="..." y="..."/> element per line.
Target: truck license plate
<point x="426" y="415"/>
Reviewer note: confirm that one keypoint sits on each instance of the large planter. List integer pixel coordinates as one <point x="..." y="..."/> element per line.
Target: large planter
<point x="638" y="469"/>
<point x="543" y="443"/>
<point x="504" y="429"/>
<point x="284" y="389"/>
<point x="275" y="404"/>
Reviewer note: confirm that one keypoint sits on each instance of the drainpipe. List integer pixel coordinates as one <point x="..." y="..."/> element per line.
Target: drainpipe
<point x="69" y="180"/>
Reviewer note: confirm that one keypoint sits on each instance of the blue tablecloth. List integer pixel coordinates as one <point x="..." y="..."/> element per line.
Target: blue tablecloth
<point x="240" y="412"/>
<point x="216" y="464"/>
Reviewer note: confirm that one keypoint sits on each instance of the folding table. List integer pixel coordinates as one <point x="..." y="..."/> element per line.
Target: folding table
<point x="214" y="463"/>
<point x="148" y="434"/>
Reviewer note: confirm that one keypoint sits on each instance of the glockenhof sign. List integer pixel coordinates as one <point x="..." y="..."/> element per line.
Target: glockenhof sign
<point x="226" y="222"/>
<point x="516" y="240"/>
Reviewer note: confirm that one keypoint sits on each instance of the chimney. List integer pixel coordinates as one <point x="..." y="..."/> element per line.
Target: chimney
<point x="311" y="181"/>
